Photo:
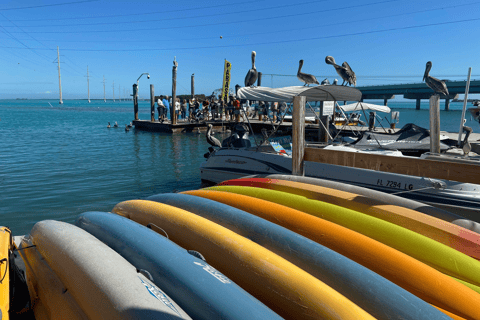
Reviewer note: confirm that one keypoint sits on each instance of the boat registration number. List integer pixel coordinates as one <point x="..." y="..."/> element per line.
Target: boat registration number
<point x="394" y="184"/>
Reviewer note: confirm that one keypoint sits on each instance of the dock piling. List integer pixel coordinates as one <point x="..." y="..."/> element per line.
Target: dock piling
<point x="259" y="80"/>
<point x="192" y="85"/>
<point x="174" y="92"/>
<point x="135" y="101"/>
<point x="298" y="135"/>
<point x="435" y="123"/>
<point x="152" y="103"/>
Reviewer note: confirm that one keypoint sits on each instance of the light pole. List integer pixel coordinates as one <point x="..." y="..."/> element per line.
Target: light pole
<point x="135" y="95"/>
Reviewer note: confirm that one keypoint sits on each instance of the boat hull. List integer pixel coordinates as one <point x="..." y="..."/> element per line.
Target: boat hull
<point x="227" y="164"/>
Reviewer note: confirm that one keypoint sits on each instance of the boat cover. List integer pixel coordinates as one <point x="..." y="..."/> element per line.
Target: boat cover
<point x="411" y="138"/>
<point x="362" y="105"/>
<point x="286" y="94"/>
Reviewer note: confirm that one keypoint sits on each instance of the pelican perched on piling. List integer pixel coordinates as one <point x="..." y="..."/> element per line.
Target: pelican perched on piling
<point x="435" y="84"/>
<point x="465" y="145"/>
<point x="305" y="77"/>
<point x="212" y="140"/>
<point x="343" y="71"/>
<point x="252" y="74"/>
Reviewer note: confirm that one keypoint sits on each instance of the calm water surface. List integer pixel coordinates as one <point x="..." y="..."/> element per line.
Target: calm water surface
<point x="57" y="161"/>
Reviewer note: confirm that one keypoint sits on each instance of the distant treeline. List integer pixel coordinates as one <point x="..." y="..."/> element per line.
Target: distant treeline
<point x="199" y="97"/>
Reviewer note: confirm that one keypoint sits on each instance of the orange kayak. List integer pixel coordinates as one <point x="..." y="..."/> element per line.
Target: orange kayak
<point x="456" y="237"/>
<point x="414" y="276"/>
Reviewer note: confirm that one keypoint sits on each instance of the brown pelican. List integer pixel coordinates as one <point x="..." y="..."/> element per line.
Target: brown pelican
<point x="465" y="145"/>
<point x="252" y="74"/>
<point x="343" y="71"/>
<point x="305" y="77"/>
<point x="212" y="140"/>
<point x="436" y="85"/>
<point x="130" y="125"/>
<point x="108" y="125"/>
<point x="115" y="125"/>
<point x="127" y="128"/>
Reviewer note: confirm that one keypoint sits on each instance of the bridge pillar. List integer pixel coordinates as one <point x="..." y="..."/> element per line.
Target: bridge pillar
<point x="417" y="105"/>
<point x="385" y="101"/>
<point x="447" y="104"/>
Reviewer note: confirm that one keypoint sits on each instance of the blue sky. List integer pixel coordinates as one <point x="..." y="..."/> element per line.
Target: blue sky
<point x="383" y="41"/>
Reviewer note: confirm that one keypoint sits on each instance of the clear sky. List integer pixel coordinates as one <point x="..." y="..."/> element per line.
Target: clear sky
<point x="384" y="42"/>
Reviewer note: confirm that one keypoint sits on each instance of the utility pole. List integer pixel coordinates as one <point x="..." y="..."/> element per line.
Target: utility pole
<point x="113" y="89"/>
<point x="104" y="99"/>
<point x="88" y="85"/>
<point x="59" y="76"/>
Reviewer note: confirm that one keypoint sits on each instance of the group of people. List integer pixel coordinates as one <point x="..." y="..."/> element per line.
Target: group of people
<point x="213" y="109"/>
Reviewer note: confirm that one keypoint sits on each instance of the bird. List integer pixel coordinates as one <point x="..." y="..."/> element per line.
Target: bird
<point x="343" y="71"/>
<point x="335" y="82"/>
<point x="221" y="37"/>
<point x="305" y="77"/>
<point x="438" y="86"/>
<point x="465" y="145"/>
<point x="325" y="82"/>
<point x="127" y="128"/>
<point x="130" y="125"/>
<point x="252" y="74"/>
<point x="115" y="125"/>
<point x="108" y="126"/>
<point x="212" y="140"/>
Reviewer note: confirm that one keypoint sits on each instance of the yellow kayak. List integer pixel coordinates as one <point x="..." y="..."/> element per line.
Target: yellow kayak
<point x="5" y="247"/>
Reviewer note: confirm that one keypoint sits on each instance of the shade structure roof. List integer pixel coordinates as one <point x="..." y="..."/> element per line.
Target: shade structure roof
<point x="286" y="94"/>
<point x="362" y="105"/>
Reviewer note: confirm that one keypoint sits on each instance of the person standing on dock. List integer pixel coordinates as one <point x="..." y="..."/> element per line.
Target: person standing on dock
<point x="206" y="111"/>
<point x="161" y="109"/>
<point x="167" y="106"/>
<point x="236" y="105"/>
<point x="191" y="109"/>
<point x="274" y="111"/>
<point x="184" y="109"/>
<point x="177" y="108"/>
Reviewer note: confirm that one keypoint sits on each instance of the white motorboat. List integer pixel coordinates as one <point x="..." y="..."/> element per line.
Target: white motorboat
<point x="237" y="158"/>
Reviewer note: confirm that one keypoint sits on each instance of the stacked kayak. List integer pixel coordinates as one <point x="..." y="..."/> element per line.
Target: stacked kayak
<point x="267" y="247"/>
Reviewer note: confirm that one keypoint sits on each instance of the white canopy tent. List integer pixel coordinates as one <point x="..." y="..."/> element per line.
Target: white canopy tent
<point x="286" y="94"/>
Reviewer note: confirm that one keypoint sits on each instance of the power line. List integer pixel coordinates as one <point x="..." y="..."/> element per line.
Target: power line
<point x="224" y="23"/>
<point x="268" y="42"/>
<point x="145" y="13"/>
<point x="181" y="17"/>
<point x="48" y="5"/>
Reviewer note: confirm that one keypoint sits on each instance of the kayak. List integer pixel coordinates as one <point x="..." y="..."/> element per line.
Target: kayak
<point x="99" y="282"/>
<point x="201" y="290"/>
<point x="373" y="293"/>
<point x="414" y="276"/>
<point x="5" y="249"/>
<point x="283" y="287"/>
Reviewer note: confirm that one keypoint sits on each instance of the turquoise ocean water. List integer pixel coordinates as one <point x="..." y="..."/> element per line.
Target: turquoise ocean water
<point x="57" y="161"/>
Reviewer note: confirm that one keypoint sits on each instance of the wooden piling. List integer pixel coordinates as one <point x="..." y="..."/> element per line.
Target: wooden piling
<point x="135" y="101"/>
<point x="447" y="104"/>
<point x="152" y="103"/>
<point x="435" y="123"/>
<point x="323" y="128"/>
<point x="417" y="104"/>
<point x="174" y="92"/>
<point x="259" y="80"/>
<point x="298" y="135"/>
<point x="192" y="85"/>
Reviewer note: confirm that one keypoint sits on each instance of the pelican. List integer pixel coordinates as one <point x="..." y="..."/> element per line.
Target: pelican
<point x="438" y="86"/>
<point x="127" y="128"/>
<point x="115" y="125"/>
<point x="325" y="82"/>
<point x="343" y="71"/>
<point x="305" y="77"/>
<point x="252" y="74"/>
<point x="108" y="125"/>
<point x="130" y="125"/>
<point x="335" y="82"/>
<point x="465" y="145"/>
<point x="212" y="140"/>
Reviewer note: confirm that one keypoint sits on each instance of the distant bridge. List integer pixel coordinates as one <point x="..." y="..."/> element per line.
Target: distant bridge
<point x="417" y="91"/>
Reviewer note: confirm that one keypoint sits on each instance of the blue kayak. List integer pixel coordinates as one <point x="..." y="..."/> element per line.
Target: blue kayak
<point x="370" y="291"/>
<point x="201" y="290"/>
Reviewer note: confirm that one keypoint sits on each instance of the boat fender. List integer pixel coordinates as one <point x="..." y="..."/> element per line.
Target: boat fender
<point x="145" y="273"/>
<point x="149" y="226"/>
<point x="197" y="254"/>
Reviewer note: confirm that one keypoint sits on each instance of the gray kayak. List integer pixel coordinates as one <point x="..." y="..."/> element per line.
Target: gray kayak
<point x="102" y="283"/>
<point x="201" y="290"/>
